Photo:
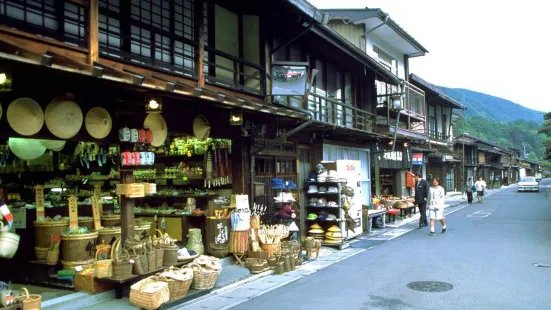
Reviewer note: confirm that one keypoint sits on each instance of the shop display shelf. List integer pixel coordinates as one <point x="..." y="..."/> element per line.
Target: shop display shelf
<point x="323" y="207"/>
<point x="326" y="182"/>
<point x="179" y="196"/>
<point x="198" y="157"/>
<point x="338" y="193"/>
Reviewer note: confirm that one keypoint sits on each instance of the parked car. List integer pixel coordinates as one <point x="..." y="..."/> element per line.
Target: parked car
<point x="528" y="184"/>
<point x="538" y="177"/>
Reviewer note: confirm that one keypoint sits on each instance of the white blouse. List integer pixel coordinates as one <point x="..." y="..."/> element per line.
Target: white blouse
<point x="436" y="197"/>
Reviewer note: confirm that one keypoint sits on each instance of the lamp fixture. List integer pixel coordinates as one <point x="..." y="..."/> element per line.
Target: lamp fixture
<point x="236" y="117"/>
<point x="391" y="142"/>
<point x="153" y="105"/>
<point x="406" y="144"/>
<point x="5" y="82"/>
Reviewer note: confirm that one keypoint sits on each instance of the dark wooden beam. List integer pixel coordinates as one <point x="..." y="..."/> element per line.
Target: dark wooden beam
<point x="93" y="32"/>
<point x="127" y="208"/>
<point x="199" y="35"/>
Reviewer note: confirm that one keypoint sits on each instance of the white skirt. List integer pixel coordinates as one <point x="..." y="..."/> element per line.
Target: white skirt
<point x="436" y="214"/>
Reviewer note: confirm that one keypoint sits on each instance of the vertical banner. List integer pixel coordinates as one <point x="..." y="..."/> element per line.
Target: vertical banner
<point x="39" y="201"/>
<point x="73" y="212"/>
<point x="97" y="193"/>
<point x="96" y="202"/>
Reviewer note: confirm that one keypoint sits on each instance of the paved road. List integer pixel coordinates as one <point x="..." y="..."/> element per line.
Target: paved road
<point x="487" y="255"/>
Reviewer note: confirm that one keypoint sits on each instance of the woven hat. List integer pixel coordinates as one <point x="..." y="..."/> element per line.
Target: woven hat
<point x="332" y="241"/>
<point x="63" y="117"/>
<point x="333" y="234"/>
<point x="332" y="204"/>
<point x="312" y="216"/>
<point x="25" y="116"/>
<point x="98" y="123"/>
<point x="322" y="189"/>
<point x="312" y="189"/>
<point x="26" y="149"/>
<point x="334" y="228"/>
<point x="332" y="189"/>
<point x="315" y="226"/>
<point x="156" y="123"/>
<point x="316" y="231"/>
<point x="331" y="217"/>
<point x="201" y="127"/>
<point x="54" y="145"/>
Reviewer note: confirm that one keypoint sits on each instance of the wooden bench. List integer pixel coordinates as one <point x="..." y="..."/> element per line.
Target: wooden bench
<point x="371" y="214"/>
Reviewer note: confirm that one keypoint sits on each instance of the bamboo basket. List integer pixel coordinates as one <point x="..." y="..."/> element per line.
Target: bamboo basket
<point x="87" y="222"/>
<point x="159" y="250"/>
<point x="170" y="256"/>
<point x="149" y="293"/>
<point x="111" y="220"/>
<point x="41" y="253"/>
<point x="151" y="259"/>
<point x="122" y="268"/>
<point x="52" y="258"/>
<point x="219" y="250"/>
<point x="142" y="230"/>
<point x="271" y="249"/>
<point x="79" y="247"/>
<point x="103" y="268"/>
<point x="239" y="241"/>
<point x="29" y="301"/>
<point x="203" y="279"/>
<point x="44" y="230"/>
<point x="109" y="235"/>
<point x="178" y="288"/>
<point x="137" y="267"/>
<point x="72" y="265"/>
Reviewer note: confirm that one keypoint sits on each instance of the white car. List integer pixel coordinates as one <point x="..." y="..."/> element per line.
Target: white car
<point x="528" y="184"/>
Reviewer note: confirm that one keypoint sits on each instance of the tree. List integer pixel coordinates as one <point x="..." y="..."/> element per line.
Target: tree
<point x="546" y="130"/>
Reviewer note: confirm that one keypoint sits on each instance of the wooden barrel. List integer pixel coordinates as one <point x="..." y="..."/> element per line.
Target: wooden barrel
<point x="43" y="232"/>
<point x="108" y="235"/>
<point x="87" y="222"/>
<point x="79" y="247"/>
<point x="111" y="220"/>
<point x="239" y="241"/>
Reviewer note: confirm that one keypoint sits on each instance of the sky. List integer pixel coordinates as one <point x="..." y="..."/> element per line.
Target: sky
<point x="489" y="46"/>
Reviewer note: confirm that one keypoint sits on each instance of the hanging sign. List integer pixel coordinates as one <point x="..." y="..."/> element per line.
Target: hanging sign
<point x="73" y="212"/>
<point x="19" y="217"/>
<point x="39" y="201"/>
<point x="97" y="193"/>
<point x="417" y="159"/>
<point x="240" y="202"/>
<point x="96" y="204"/>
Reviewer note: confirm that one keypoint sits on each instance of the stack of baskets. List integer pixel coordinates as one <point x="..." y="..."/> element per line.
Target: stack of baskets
<point x="206" y="270"/>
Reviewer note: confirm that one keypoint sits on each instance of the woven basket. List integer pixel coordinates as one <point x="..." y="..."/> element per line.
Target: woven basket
<point x="109" y="235"/>
<point x="239" y="241"/>
<point x="219" y="250"/>
<point x="179" y="284"/>
<point x="72" y="265"/>
<point x="111" y="220"/>
<point x="41" y="253"/>
<point x="78" y="247"/>
<point x="272" y="249"/>
<point x="103" y="268"/>
<point x="149" y="293"/>
<point x="29" y="301"/>
<point x="122" y="268"/>
<point x="137" y="267"/>
<point x="203" y="279"/>
<point x="52" y="258"/>
<point x="44" y="230"/>
<point x="151" y="259"/>
<point x="87" y="222"/>
<point x="170" y="256"/>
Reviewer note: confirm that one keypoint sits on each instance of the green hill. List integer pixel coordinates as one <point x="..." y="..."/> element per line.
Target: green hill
<point x="491" y="107"/>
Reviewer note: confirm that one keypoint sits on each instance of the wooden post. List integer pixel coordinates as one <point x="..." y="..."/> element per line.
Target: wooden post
<point x="93" y="32"/>
<point x="200" y="47"/>
<point x="268" y="76"/>
<point x="73" y="212"/>
<point x="127" y="208"/>
<point x="39" y="201"/>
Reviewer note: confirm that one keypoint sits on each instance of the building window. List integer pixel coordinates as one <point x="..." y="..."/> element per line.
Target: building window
<point x="60" y="20"/>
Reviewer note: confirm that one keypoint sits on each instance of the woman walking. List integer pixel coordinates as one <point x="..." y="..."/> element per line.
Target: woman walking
<point x="436" y="205"/>
<point x="469" y="190"/>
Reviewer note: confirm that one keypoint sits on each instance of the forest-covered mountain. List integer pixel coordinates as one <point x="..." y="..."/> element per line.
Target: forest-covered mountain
<point x="491" y="107"/>
<point x="500" y="120"/>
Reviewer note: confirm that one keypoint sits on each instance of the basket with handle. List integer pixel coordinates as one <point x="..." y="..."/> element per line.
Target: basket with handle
<point x="178" y="282"/>
<point x="103" y="268"/>
<point x="158" y="243"/>
<point x="203" y="279"/>
<point x="122" y="268"/>
<point x="29" y="301"/>
<point x="151" y="254"/>
<point x="137" y="267"/>
<point x="149" y="293"/>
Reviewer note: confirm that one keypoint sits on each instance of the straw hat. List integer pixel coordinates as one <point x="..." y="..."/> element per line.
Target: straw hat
<point x="25" y="116"/>
<point x="333" y="234"/>
<point x="201" y="127"/>
<point x="315" y="225"/>
<point x="332" y="241"/>
<point x="316" y="231"/>
<point x="156" y="123"/>
<point x="98" y="123"/>
<point x="26" y="149"/>
<point x="63" y="117"/>
<point x="334" y="228"/>
<point x="54" y="145"/>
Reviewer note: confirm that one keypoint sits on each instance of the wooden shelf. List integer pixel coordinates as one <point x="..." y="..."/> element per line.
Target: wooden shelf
<point x="323" y="207"/>
<point x="178" y="196"/>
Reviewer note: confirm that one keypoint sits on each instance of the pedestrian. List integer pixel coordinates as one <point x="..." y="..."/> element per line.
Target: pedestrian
<point x="469" y="190"/>
<point x="421" y="191"/>
<point x="480" y="188"/>
<point x="436" y="205"/>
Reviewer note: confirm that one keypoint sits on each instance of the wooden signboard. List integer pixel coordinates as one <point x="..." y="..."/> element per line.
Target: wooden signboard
<point x="73" y="212"/>
<point x="97" y="193"/>
<point x="39" y="201"/>
<point x="96" y="202"/>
